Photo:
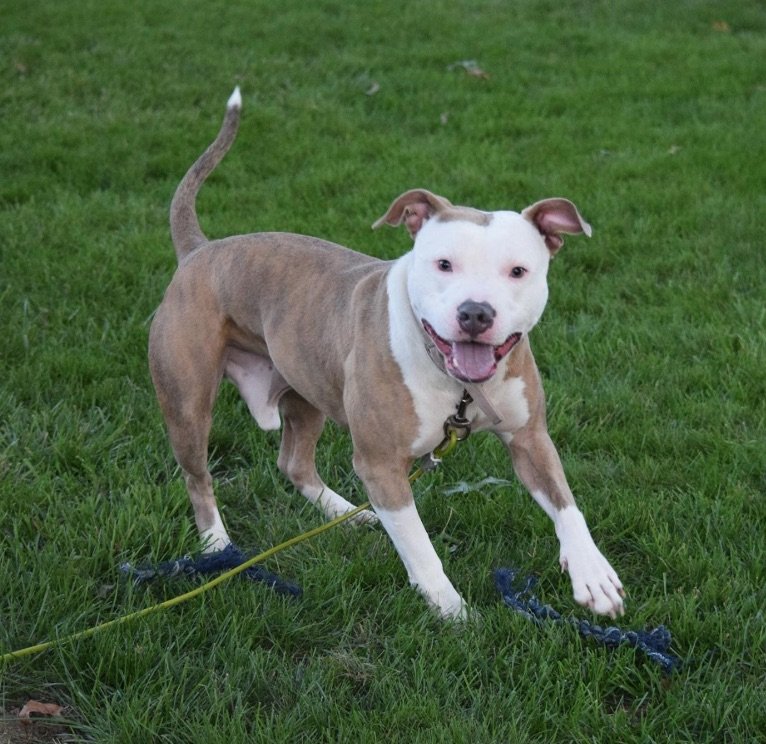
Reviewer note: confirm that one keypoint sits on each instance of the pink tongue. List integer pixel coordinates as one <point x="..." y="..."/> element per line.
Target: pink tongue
<point x="473" y="361"/>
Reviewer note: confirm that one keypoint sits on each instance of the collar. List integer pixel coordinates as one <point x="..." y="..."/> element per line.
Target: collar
<point x="474" y="389"/>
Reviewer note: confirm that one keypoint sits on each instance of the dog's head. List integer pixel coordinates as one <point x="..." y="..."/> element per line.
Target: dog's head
<point x="478" y="280"/>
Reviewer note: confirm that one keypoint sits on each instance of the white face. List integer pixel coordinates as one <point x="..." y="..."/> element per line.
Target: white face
<point x="503" y="265"/>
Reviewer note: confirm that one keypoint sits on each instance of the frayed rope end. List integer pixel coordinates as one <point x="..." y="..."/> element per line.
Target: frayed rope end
<point x="653" y="643"/>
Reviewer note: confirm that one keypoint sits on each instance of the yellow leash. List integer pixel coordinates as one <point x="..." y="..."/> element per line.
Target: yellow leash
<point x="452" y="436"/>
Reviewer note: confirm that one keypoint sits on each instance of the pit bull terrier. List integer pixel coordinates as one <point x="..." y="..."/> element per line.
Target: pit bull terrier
<point x="307" y="329"/>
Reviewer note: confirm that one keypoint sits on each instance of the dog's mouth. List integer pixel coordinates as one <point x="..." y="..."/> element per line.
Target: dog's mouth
<point x="470" y="361"/>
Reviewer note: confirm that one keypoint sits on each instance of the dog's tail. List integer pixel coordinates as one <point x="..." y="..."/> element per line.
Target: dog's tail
<point x="184" y="225"/>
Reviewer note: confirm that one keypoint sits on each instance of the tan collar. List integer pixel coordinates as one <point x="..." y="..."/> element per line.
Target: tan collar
<point x="474" y="389"/>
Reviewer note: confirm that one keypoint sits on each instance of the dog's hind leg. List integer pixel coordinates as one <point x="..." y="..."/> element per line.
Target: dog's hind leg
<point x="302" y="425"/>
<point x="187" y="402"/>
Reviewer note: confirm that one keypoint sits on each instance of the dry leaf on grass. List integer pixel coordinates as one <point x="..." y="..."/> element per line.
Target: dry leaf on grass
<point x="721" y="26"/>
<point x="477" y="72"/>
<point x="40" y="709"/>
<point x="471" y="67"/>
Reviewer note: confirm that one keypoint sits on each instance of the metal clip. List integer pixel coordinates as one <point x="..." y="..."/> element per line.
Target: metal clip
<point x="459" y="426"/>
<point x="429" y="462"/>
<point x="456" y="428"/>
<point x="457" y="423"/>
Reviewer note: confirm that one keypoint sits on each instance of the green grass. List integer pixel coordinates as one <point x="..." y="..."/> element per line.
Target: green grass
<point x="653" y="349"/>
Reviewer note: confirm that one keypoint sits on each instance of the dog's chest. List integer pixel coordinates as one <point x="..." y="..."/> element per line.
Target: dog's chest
<point x="435" y="395"/>
<point x="435" y="403"/>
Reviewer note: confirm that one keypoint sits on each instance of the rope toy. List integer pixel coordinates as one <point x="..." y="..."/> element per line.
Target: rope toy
<point x="654" y="643"/>
<point x="208" y="563"/>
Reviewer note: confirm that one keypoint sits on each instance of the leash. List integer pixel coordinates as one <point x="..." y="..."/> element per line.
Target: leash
<point x="13" y="655"/>
<point x="456" y="429"/>
<point x="655" y="643"/>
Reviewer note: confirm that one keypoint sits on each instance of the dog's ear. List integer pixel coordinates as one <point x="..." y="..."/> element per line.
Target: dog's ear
<point x="413" y="208"/>
<point x="553" y="217"/>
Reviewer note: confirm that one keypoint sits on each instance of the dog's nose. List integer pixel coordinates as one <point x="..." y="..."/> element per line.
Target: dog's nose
<point x="475" y="317"/>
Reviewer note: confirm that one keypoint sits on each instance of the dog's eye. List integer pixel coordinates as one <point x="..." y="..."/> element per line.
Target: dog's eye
<point x="518" y="271"/>
<point x="444" y="265"/>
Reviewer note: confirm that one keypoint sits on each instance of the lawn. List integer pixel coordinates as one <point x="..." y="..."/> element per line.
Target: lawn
<point x="649" y="116"/>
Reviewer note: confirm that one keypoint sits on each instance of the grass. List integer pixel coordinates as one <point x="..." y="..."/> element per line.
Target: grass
<point x="653" y="349"/>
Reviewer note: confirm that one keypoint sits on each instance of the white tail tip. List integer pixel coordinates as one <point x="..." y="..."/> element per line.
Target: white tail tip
<point x="235" y="99"/>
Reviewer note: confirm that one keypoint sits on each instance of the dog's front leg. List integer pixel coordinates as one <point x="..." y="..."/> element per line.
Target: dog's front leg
<point x="391" y="496"/>
<point x="594" y="582"/>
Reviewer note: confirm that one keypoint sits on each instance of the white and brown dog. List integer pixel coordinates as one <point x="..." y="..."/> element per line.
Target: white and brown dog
<point x="307" y="329"/>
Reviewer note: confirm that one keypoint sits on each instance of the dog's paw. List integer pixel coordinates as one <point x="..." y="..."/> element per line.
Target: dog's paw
<point x="468" y="619"/>
<point x="445" y="601"/>
<point x="366" y="517"/>
<point x="456" y="612"/>
<point x="595" y="583"/>
<point x="213" y="541"/>
<point x="334" y="505"/>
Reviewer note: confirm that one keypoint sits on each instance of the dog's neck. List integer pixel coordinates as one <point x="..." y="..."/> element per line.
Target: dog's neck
<point x="475" y="390"/>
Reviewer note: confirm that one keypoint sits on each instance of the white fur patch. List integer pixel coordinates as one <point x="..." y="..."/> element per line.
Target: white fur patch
<point x="235" y="99"/>
<point x="215" y="538"/>
<point x="424" y="568"/>
<point x="545" y="504"/>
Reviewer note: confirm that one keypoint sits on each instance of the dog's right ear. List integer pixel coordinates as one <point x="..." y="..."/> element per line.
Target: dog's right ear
<point x="552" y="217"/>
<point x="413" y="208"/>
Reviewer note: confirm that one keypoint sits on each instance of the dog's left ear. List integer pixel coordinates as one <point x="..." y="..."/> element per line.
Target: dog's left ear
<point x="553" y="217"/>
<point x="413" y="208"/>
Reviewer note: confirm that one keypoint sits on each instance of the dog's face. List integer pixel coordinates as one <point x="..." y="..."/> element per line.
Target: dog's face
<point x="477" y="289"/>
<point x="478" y="280"/>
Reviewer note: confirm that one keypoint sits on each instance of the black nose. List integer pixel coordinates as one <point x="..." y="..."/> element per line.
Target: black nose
<point x="475" y="317"/>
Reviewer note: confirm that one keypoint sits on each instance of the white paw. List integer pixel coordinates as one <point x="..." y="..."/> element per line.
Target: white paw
<point x="215" y="537"/>
<point x="594" y="582"/>
<point x="334" y="505"/>
<point x="366" y="517"/>
<point x="212" y="543"/>
<point x="450" y="606"/>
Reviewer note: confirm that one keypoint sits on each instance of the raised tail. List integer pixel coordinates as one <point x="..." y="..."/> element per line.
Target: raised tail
<point x="184" y="225"/>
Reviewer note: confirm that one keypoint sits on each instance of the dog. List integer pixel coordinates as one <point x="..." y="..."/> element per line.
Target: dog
<point x="306" y="329"/>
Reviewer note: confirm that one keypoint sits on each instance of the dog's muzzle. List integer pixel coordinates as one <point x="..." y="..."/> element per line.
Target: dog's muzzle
<point x="471" y="361"/>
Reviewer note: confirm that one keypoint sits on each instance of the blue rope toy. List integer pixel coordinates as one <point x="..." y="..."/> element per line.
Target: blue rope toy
<point x="208" y="563"/>
<point x="654" y="643"/>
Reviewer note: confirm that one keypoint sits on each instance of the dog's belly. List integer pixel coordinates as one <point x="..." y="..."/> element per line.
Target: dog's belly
<point x="259" y="383"/>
